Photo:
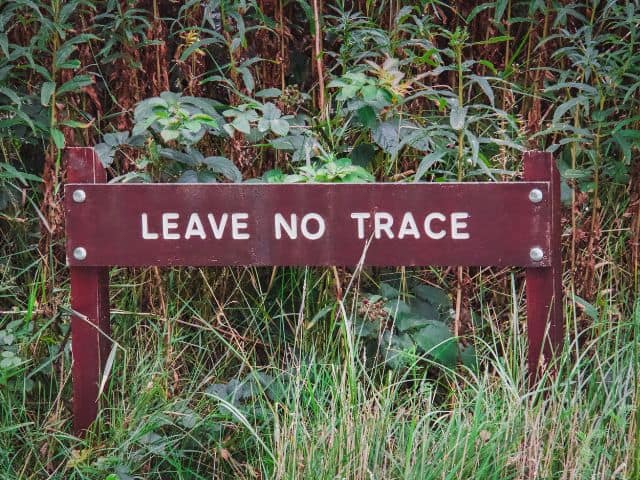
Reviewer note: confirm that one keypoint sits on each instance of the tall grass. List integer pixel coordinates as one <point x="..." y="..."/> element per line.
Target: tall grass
<point x="210" y="391"/>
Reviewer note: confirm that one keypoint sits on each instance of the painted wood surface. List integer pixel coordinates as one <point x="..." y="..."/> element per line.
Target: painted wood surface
<point x="90" y="327"/>
<point x="407" y="224"/>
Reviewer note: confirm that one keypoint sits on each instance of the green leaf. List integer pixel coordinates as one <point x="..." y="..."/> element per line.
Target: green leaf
<point x="475" y="146"/>
<point x="367" y="116"/>
<point x="577" y="85"/>
<point x="169" y="134"/>
<point x="501" y="6"/>
<point x="407" y="322"/>
<point x="142" y="126"/>
<point x="270" y="111"/>
<point x="319" y="316"/>
<point x="192" y="125"/>
<point x="241" y="124"/>
<point x="224" y="166"/>
<point x="366" y="328"/>
<point x="58" y="138"/>
<point x="400" y="350"/>
<point x="269" y="93"/>
<point x="388" y="292"/>
<point x="457" y="117"/>
<point x="247" y="78"/>
<point x="45" y="93"/>
<point x="589" y="309"/>
<point x="420" y="308"/>
<point x="279" y="127"/>
<point x="188" y="176"/>
<point x="205" y="119"/>
<point x="362" y="154"/>
<point x="469" y="358"/>
<point x="485" y="86"/>
<point x="566" y="106"/>
<point x="4" y="44"/>
<point x="396" y="307"/>
<point x="105" y="153"/>
<point x="492" y="40"/>
<point x="13" y="96"/>
<point x="426" y="163"/>
<point x="75" y="124"/>
<point x="387" y="136"/>
<point x="489" y="65"/>
<point x="75" y="84"/>
<point x="435" y="296"/>
<point x="263" y="125"/>
<point x="145" y="108"/>
<point x="273" y="176"/>
<point x="436" y="340"/>
<point x="73" y="64"/>
<point x="11" y="172"/>
<point x="116" y="138"/>
<point x="576" y="174"/>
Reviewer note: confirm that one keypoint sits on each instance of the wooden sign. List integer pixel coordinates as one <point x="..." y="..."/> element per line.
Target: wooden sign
<point x="501" y="224"/>
<point x="322" y="224"/>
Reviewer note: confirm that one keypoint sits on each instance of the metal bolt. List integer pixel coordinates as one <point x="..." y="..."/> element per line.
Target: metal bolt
<point x="536" y="254"/>
<point x="79" y="253"/>
<point x="535" y="195"/>
<point x="79" y="196"/>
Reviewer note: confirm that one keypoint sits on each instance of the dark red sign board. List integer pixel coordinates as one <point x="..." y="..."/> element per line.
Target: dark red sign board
<point x="322" y="224"/>
<point x="500" y="224"/>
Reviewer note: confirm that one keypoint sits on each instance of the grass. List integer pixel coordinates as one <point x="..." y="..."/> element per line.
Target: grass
<point x="239" y="387"/>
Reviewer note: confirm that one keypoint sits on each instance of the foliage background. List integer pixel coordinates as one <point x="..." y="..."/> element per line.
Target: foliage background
<point x="421" y="90"/>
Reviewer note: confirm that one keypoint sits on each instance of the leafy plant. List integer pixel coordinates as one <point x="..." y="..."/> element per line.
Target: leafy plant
<point x="398" y="329"/>
<point x="179" y="122"/>
<point x="327" y="170"/>
<point x="13" y="335"/>
<point x="184" y="120"/>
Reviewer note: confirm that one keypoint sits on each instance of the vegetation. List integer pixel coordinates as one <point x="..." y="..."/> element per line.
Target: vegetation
<point x="323" y="373"/>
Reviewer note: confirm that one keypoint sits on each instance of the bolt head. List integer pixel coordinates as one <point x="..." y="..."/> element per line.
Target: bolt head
<point x="536" y="254"/>
<point x="79" y="196"/>
<point x="79" y="253"/>
<point x="535" y="195"/>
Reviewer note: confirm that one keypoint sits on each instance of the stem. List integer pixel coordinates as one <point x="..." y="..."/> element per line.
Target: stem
<point x="282" y="51"/>
<point x="460" y="103"/>
<point x="318" y="57"/>
<point x="460" y="272"/>
<point x="596" y="191"/>
<point x="574" y="154"/>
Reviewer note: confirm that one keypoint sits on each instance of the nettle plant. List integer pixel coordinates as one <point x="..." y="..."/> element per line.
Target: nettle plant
<point x="328" y="169"/>
<point x="169" y="128"/>
<point x="402" y="330"/>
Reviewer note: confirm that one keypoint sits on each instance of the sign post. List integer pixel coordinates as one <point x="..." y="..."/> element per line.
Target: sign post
<point x="417" y="224"/>
<point x="90" y="326"/>
<point x="545" y="323"/>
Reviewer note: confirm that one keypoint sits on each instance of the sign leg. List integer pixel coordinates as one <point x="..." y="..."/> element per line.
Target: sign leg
<point x="545" y="321"/>
<point x="90" y="327"/>
<point x="89" y="341"/>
